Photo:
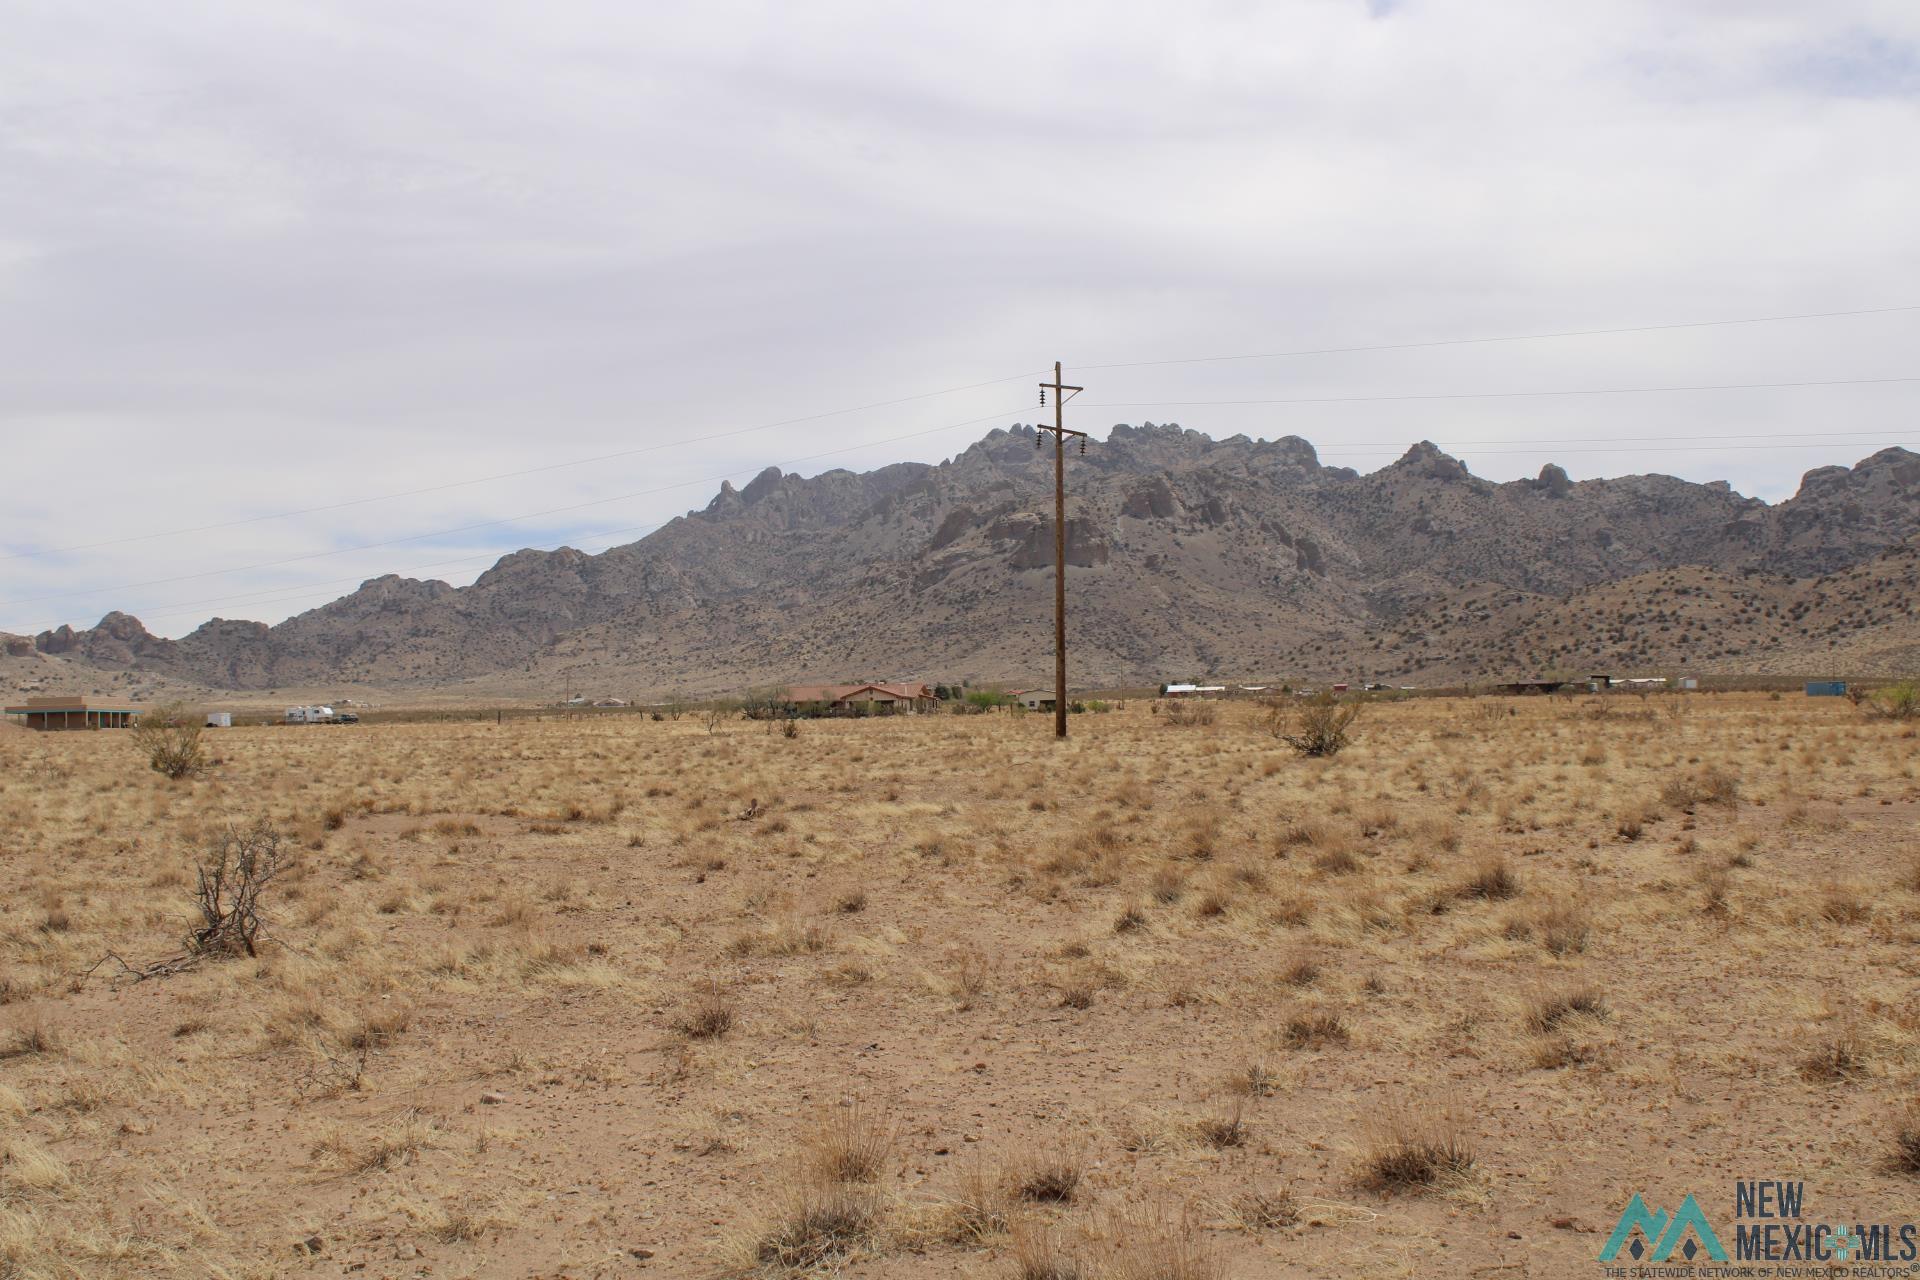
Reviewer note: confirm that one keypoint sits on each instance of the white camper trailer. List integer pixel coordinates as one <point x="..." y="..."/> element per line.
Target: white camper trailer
<point x="310" y="715"/>
<point x="219" y="719"/>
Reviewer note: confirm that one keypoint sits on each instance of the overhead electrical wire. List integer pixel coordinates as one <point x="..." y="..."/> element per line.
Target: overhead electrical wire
<point x="1534" y="445"/>
<point x="926" y="395"/>
<point x="511" y="475"/>
<point x="514" y="519"/>
<point x="1510" y="337"/>
<point x="1497" y="395"/>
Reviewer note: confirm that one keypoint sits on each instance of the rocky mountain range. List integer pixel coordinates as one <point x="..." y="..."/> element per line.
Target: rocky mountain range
<point x="1189" y="556"/>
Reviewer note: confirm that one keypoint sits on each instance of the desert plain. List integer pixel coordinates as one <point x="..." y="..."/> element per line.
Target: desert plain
<point x="936" y="996"/>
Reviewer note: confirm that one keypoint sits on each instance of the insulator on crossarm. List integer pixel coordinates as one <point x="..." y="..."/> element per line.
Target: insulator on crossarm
<point x="1038" y="436"/>
<point x="1083" y="446"/>
<point x="1043" y="397"/>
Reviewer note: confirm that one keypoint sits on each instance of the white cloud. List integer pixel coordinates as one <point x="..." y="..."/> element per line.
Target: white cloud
<point x="254" y="258"/>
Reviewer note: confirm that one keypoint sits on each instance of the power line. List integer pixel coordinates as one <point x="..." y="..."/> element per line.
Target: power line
<point x="488" y="524"/>
<point x="1558" y="446"/>
<point x="1513" y="337"/>
<point x="510" y="475"/>
<point x="768" y="426"/>
<point x="1500" y="395"/>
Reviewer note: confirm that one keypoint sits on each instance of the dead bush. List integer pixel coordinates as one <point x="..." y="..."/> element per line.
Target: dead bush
<point x="1183" y="712"/>
<point x="169" y="737"/>
<point x="234" y="873"/>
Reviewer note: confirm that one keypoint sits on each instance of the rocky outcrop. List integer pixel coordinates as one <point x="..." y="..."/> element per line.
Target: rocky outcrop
<point x="1190" y="554"/>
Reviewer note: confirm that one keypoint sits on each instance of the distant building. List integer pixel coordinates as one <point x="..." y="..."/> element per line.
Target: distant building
<point x="855" y="699"/>
<point x="219" y="719"/>
<point x="74" y="713"/>
<point x="1195" y="690"/>
<point x="1826" y="688"/>
<point x="1033" y="699"/>
<point x="1535" y="686"/>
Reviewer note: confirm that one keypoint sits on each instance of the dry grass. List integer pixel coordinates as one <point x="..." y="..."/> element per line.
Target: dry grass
<point x="1415" y="1148"/>
<point x="1144" y="967"/>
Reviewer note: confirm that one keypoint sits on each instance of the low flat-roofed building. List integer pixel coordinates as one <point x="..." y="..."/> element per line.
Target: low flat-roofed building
<point x="74" y="713"/>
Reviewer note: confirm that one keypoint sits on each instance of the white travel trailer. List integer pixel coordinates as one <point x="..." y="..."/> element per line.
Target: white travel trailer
<point x="219" y="719"/>
<point x="310" y="715"/>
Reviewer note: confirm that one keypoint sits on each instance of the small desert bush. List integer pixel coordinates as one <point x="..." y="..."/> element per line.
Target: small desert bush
<point x="1713" y="785"/>
<point x="1183" y="712"/>
<point x="1899" y="701"/>
<point x="1319" y="726"/>
<point x="1038" y="1255"/>
<point x="169" y="736"/>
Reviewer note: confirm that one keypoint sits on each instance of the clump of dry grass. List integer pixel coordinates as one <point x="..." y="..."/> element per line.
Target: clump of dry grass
<point x="1564" y="927"/>
<point x="1547" y="1012"/>
<point x="36" y="1039"/>
<point x="976" y="1210"/>
<point x="1224" y="1129"/>
<point x="1264" y="1210"/>
<point x="1308" y="1030"/>
<point x="848" y="1144"/>
<point x="1046" y="1176"/>
<point x="819" y="1225"/>
<point x="1906" y="1144"/>
<point x="1303" y="972"/>
<point x="1412" y="1149"/>
<point x="1494" y="881"/>
<point x="708" y="1016"/>
<point x="1153" y="1246"/>
<point x="1842" y="1058"/>
<point x="1841" y="905"/>
<point x="1038" y="1254"/>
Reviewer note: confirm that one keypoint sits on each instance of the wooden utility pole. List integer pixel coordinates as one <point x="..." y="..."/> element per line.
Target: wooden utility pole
<point x="1060" y="434"/>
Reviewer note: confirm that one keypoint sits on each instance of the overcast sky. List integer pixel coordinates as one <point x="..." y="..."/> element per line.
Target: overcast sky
<point x="257" y="257"/>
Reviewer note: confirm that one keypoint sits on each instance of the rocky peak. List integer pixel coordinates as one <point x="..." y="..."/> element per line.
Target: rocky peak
<point x="1427" y="459"/>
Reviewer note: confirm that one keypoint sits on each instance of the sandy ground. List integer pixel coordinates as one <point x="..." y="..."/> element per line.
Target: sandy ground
<point x="1586" y="948"/>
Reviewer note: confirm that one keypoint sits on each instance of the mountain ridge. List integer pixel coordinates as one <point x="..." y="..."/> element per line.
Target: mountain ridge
<point x="1187" y="553"/>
